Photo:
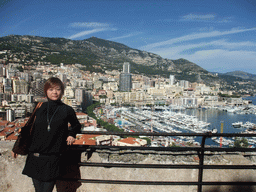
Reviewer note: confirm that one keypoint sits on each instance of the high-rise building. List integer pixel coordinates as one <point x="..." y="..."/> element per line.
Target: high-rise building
<point x="38" y="87"/>
<point x="83" y="98"/>
<point x="152" y="83"/>
<point x="184" y="84"/>
<point x="2" y="70"/>
<point x="7" y="85"/>
<point x="1" y="87"/>
<point x="172" y="79"/>
<point x="25" y="76"/>
<point x="125" y="79"/>
<point x="79" y="95"/>
<point x="9" y="115"/>
<point x="20" y="86"/>
<point x="5" y="96"/>
<point x="126" y="67"/>
<point x="63" y="78"/>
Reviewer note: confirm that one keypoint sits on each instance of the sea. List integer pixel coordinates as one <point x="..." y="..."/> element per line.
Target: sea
<point x="216" y="117"/>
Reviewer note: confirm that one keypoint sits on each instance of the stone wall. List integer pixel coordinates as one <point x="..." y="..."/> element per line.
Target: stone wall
<point x="11" y="179"/>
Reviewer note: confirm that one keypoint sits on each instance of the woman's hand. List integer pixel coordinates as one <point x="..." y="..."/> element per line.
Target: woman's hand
<point x="70" y="140"/>
<point x="14" y="155"/>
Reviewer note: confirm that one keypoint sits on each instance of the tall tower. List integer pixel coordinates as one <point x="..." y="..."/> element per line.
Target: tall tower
<point x="125" y="79"/>
<point x="172" y="79"/>
<point x="126" y="67"/>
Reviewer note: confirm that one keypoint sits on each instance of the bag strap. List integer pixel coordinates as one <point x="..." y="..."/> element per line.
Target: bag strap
<point x="37" y="107"/>
<point x="32" y="117"/>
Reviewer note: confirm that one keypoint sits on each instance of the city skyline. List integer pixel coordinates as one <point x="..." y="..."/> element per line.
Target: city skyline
<point x="216" y="35"/>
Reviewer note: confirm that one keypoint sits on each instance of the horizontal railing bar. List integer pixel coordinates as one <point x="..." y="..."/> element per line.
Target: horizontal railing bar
<point x="166" y="166"/>
<point x="148" y="150"/>
<point x="156" y="182"/>
<point x="86" y="147"/>
<point x="212" y="149"/>
<point x="209" y="134"/>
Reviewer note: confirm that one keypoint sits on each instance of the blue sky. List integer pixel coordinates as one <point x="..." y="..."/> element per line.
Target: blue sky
<point x="218" y="35"/>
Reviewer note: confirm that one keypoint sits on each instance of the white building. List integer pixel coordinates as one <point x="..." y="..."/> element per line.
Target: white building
<point x="69" y="92"/>
<point x="172" y="79"/>
<point x="130" y="141"/>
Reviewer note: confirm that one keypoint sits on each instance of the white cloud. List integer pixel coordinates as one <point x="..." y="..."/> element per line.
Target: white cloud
<point x="194" y="37"/>
<point x="217" y="60"/>
<point x="84" y="33"/>
<point x="218" y="56"/>
<point x="205" y="18"/>
<point x="125" y="36"/>
<point x="225" y="20"/>
<point x="198" y="17"/>
<point x="94" y="26"/>
<point x="89" y="25"/>
<point x="233" y="45"/>
<point x="224" y="60"/>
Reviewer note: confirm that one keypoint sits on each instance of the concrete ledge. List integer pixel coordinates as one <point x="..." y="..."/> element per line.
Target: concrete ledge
<point x="11" y="179"/>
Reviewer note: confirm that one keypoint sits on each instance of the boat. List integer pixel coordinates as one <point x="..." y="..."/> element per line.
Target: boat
<point x="214" y="130"/>
<point x="248" y="125"/>
<point x="237" y="124"/>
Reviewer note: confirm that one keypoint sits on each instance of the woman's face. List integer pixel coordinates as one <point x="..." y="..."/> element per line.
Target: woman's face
<point x="54" y="93"/>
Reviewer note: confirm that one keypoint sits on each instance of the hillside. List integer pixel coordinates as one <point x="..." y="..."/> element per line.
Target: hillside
<point x="98" y="55"/>
<point x="242" y="74"/>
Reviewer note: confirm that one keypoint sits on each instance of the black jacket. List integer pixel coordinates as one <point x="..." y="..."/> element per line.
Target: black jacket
<point x="53" y="141"/>
<point x="50" y="143"/>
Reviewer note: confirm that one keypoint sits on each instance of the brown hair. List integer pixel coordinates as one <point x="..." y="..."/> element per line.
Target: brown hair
<point x="51" y="82"/>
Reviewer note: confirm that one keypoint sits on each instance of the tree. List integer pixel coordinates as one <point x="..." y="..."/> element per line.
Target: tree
<point x="148" y="140"/>
<point x="241" y="143"/>
<point x="109" y="127"/>
<point x="20" y="68"/>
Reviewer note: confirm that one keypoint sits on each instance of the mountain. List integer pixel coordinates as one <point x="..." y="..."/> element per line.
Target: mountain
<point x="96" y="54"/>
<point x="243" y="75"/>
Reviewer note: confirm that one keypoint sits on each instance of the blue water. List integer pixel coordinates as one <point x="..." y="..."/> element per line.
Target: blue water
<point x="215" y="117"/>
<point x="253" y="99"/>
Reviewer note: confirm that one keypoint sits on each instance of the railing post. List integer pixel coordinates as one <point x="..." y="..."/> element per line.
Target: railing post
<point x="201" y="163"/>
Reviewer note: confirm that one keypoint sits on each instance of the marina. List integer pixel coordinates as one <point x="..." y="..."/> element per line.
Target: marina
<point x="171" y="119"/>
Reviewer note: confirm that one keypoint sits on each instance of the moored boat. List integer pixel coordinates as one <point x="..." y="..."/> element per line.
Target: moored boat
<point x="237" y="124"/>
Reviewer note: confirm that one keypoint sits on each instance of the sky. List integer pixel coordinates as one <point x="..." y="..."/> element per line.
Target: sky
<point x="217" y="35"/>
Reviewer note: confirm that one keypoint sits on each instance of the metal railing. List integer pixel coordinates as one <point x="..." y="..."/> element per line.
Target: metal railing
<point x="200" y="150"/>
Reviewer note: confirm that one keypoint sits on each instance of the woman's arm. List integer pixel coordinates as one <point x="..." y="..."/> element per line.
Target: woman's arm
<point x="14" y="155"/>
<point x="70" y="140"/>
<point x="75" y="125"/>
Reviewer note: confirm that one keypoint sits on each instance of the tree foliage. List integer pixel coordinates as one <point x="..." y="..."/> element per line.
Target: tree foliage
<point x="241" y="143"/>
<point x="109" y="127"/>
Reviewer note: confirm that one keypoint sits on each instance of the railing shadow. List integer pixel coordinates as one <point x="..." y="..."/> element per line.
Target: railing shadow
<point x="233" y="188"/>
<point x="69" y="170"/>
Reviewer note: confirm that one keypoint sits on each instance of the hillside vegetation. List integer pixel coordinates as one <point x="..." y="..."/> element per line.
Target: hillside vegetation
<point x="98" y="55"/>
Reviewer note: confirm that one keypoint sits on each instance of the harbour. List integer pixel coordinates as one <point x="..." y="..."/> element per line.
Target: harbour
<point x="173" y="119"/>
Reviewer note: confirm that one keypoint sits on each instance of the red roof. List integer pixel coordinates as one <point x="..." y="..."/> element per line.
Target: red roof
<point x="80" y="113"/>
<point x="11" y="137"/>
<point x="86" y="140"/>
<point x="129" y="140"/>
<point x="7" y="131"/>
<point x="3" y="123"/>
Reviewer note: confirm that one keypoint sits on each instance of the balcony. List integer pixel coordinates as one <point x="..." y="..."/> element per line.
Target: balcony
<point x="202" y="168"/>
<point x="121" y="168"/>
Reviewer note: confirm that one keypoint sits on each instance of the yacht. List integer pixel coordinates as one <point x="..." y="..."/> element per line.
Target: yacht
<point x="237" y="124"/>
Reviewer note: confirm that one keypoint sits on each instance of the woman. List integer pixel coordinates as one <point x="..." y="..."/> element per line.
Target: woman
<point x="50" y="137"/>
